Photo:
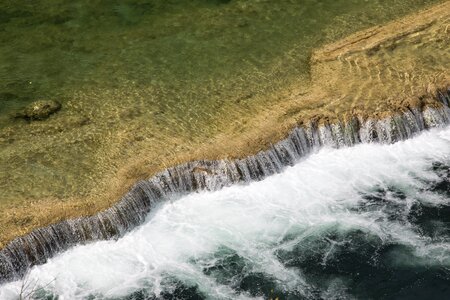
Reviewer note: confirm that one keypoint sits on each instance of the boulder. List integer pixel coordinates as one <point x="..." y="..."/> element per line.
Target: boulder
<point x="39" y="110"/>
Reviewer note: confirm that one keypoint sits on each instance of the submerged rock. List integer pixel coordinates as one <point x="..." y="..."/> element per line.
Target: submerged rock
<point x="39" y="110"/>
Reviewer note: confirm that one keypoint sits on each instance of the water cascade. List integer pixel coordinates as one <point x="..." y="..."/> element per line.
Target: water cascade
<point x="133" y="209"/>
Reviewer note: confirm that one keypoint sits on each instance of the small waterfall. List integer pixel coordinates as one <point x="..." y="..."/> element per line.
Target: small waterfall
<point x="131" y="211"/>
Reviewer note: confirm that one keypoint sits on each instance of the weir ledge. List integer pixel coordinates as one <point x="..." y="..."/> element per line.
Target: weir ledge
<point x="132" y="209"/>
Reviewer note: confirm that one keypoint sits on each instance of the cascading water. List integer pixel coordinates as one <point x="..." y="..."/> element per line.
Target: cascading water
<point x="39" y="245"/>
<point x="132" y="210"/>
<point x="365" y="222"/>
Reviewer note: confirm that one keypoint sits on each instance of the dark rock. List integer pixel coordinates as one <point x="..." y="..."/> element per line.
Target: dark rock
<point x="39" y="110"/>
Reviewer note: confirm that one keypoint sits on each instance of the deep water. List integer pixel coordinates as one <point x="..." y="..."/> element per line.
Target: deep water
<point x="364" y="222"/>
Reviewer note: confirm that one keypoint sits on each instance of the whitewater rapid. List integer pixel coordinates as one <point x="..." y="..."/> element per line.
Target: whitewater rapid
<point x="310" y="232"/>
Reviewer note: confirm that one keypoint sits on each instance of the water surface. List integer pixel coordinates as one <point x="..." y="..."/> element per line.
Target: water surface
<point x="367" y="222"/>
<point x="180" y="69"/>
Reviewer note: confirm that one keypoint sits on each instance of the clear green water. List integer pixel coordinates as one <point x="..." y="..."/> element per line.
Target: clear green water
<point x="50" y="48"/>
<point x="181" y="69"/>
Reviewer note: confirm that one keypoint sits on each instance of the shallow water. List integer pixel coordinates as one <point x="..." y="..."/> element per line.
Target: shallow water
<point x="366" y="222"/>
<point x="148" y="75"/>
<point x="50" y="48"/>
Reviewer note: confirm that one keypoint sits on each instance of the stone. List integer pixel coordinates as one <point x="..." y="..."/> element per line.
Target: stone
<point x="39" y="110"/>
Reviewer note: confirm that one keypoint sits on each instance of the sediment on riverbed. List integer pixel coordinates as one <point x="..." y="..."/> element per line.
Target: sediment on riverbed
<point x="380" y="85"/>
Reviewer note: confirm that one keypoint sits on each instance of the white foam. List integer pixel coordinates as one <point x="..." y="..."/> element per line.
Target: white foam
<point x="319" y="192"/>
